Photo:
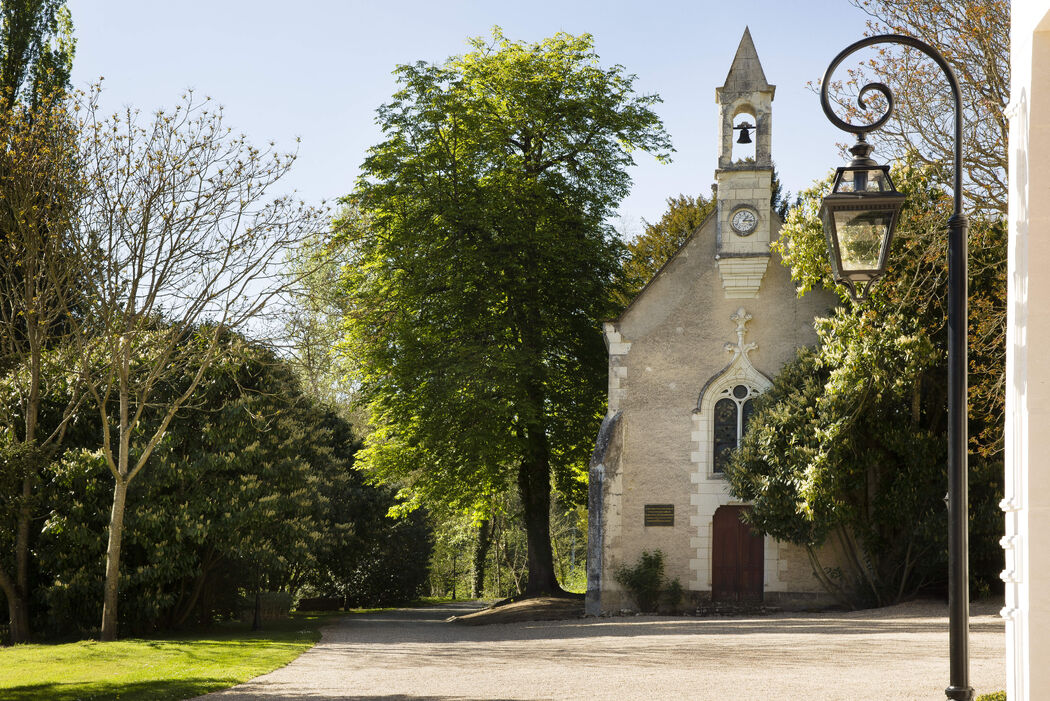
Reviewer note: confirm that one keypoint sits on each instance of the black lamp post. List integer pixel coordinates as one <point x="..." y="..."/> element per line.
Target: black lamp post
<point x="859" y="217"/>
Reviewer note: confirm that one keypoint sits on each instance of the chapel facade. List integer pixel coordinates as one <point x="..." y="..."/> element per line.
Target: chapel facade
<point x="686" y="359"/>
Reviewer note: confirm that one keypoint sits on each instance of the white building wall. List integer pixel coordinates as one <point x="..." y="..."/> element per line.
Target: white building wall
<point x="1027" y="488"/>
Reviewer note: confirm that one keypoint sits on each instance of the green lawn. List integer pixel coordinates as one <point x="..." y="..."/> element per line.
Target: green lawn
<point x="174" y="667"/>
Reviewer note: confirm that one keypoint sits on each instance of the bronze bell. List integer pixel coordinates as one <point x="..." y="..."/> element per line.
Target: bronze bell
<point x="745" y="134"/>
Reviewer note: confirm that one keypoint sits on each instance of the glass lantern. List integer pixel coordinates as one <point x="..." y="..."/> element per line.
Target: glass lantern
<point x="859" y="217"/>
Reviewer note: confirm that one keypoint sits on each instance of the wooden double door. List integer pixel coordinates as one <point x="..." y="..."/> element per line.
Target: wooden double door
<point x="737" y="556"/>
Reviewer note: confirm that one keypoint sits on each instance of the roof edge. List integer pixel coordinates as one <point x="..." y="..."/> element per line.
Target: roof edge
<point x="663" y="267"/>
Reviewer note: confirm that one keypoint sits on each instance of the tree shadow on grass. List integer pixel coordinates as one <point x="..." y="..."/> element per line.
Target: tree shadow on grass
<point x="154" y="690"/>
<point x="182" y="689"/>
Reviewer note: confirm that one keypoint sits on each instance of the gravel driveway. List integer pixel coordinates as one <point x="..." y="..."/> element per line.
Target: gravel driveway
<point x="894" y="653"/>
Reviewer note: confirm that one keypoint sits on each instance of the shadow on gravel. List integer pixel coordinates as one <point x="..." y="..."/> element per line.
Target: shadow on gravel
<point x="415" y="650"/>
<point x="417" y="625"/>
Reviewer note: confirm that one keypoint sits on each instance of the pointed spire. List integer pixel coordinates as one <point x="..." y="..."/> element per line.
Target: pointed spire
<point x="746" y="74"/>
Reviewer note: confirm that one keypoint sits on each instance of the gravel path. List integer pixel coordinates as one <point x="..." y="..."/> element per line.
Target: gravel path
<point x="894" y="653"/>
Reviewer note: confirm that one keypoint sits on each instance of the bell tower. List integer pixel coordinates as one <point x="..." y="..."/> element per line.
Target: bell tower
<point x="744" y="177"/>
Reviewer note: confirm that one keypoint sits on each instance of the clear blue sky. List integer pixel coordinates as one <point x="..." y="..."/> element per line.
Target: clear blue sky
<point x="317" y="69"/>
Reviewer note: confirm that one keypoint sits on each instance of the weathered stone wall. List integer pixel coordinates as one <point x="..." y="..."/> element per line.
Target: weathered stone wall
<point x="663" y="351"/>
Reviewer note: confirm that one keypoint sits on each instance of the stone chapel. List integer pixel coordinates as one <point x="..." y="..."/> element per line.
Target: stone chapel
<point x="686" y="358"/>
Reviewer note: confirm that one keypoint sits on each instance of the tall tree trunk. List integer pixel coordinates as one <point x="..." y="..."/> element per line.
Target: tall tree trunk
<point x="116" y="532"/>
<point x="534" y="472"/>
<point x="534" y="485"/>
<point x="481" y="551"/>
<point x="498" y="562"/>
<point x="18" y="593"/>
<point x="18" y="615"/>
<point x="17" y="610"/>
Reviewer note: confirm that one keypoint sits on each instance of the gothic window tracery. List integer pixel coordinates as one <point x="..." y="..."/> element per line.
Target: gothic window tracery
<point x="732" y="413"/>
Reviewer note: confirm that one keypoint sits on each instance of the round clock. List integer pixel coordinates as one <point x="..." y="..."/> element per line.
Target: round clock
<point x="744" y="220"/>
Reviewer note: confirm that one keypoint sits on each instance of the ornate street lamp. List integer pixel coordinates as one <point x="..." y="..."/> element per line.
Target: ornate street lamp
<point x="859" y="218"/>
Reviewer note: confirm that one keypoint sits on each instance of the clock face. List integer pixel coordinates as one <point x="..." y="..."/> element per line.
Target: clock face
<point x="744" y="221"/>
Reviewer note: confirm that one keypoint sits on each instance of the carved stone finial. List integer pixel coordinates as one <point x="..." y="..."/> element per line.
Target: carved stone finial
<point x="741" y="317"/>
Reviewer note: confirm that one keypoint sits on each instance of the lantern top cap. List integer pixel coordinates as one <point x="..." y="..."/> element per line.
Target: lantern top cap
<point x="863" y="177"/>
<point x="862" y="153"/>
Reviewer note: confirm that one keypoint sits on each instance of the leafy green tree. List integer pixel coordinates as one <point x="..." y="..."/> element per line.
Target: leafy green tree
<point x="38" y="191"/>
<point x="253" y="439"/>
<point x="482" y="264"/>
<point x="660" y="240"/>
<point x="364" y="556"/>
<point x="451" y="561"/>
<point x="313" y="319"/>
<point x="779" y="199"/>
<point x="36" y="50"/>
<point x="841" y="450"/>
<point x="849" y="444"/>
<point x="367" y="558"/>
<point x="251" y="487"/>
<point x="915" y="284"/>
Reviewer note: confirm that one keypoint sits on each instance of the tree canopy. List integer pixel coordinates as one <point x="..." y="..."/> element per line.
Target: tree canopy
<point x="181" y="237"/>
<point x="660" y="240"/>
<point x="36" y="50"/>
<point x="252" y="487"/>
<point x="39" y="186"/>
<point x="481" y="266"/>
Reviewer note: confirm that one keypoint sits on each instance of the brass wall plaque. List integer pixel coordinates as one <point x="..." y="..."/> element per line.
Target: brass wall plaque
<point x="659" y="514"/>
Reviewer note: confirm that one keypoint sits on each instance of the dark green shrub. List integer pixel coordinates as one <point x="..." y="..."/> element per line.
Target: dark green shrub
<point x="391" y="569"/>
<point x="319" y="603"/>
<point x="252" y="490"/>
<point x="645" y="581"/>
<point x="674" y="594"/>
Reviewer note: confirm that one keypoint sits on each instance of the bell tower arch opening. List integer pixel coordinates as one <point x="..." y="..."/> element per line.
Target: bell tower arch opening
<point x="744" y="126"/>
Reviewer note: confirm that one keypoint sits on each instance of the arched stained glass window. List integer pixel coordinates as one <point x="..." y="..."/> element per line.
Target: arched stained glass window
<point x="732" y="414"/>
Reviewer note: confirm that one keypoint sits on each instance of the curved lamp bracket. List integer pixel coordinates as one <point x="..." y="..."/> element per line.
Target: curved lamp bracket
<point x="861" y="129"/>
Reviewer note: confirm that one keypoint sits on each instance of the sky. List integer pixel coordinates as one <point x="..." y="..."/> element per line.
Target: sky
<point x="318" y="69"/>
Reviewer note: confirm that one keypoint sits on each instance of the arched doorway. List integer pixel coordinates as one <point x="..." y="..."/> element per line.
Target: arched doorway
<point x="736" y="557"/>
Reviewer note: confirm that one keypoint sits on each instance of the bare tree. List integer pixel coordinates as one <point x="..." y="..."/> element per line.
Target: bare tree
<point x="184" y="243"/>
<point x="39" y="187"/>
<point x="974" y="37"/>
